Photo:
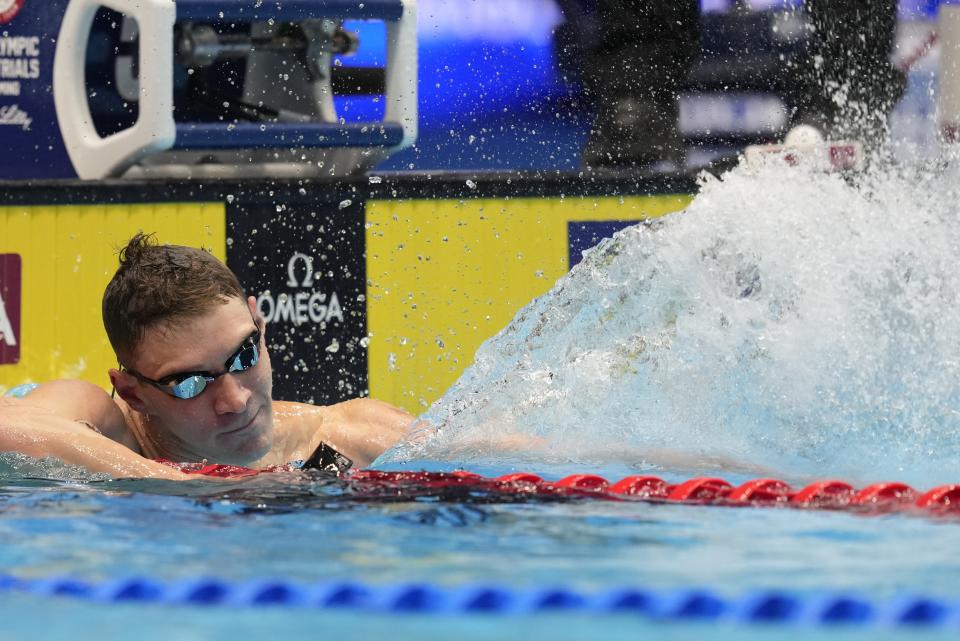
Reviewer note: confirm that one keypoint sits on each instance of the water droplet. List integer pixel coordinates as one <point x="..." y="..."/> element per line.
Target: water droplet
<point x="345" y="203"/>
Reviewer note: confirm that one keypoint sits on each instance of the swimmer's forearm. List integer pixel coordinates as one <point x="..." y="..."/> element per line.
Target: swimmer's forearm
<point x="47" y="435"/>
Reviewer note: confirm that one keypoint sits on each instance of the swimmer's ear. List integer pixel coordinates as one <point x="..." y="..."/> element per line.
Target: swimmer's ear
<point x="257" y="316"/>
<point x="127" y="388"/>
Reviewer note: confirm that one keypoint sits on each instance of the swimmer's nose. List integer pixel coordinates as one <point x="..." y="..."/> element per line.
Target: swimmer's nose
<point x="231" y="396"/>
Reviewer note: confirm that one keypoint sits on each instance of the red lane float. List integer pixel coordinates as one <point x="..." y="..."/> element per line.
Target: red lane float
<point x="824" y="494"/>
<point x="521" y="478"/>
<point x="700" y="490"/>
<point x="643" y="487"/>
<point x="828" y="494"/>
<point x="762" y="491"/>
<point x="945" y="496"/>
<point x="885" y="494"/>
<point x="587" y="482"/>
<point x="215" y="469"/>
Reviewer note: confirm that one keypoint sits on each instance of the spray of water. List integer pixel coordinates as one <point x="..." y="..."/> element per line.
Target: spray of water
<point x="789" y="318"/>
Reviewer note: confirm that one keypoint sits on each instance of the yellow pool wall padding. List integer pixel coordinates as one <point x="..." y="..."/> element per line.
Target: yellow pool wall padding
<point x="443" y="276"/>
<point x="69" y="253"/>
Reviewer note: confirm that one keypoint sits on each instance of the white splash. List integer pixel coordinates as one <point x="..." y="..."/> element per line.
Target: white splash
<point x="788" y="318"/>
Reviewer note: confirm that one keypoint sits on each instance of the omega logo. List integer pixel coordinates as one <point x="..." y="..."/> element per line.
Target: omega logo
<point x="304" y="306"/>
<point x="292" y="270"/>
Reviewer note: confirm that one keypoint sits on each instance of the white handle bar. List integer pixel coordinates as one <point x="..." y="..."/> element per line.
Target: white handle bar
<point x="92" y="156"/>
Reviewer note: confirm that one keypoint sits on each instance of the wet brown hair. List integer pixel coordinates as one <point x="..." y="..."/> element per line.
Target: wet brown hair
<point x="161" y="284"/>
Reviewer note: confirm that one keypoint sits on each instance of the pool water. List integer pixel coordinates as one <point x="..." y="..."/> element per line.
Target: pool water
<point x="789" y="321"/>
<point x="305" y="529"/>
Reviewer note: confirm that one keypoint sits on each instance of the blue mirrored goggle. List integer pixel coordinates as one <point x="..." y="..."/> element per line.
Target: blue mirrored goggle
<point x="191" y="384"/>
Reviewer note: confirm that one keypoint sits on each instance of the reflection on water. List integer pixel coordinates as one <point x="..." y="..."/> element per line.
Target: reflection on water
<point x="788" y="318"/>
<point x="99" y="531"/>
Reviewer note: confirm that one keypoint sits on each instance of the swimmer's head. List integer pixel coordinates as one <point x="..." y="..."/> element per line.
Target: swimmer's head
<point x="162" y="285"/>
<point x="170" y="312"/>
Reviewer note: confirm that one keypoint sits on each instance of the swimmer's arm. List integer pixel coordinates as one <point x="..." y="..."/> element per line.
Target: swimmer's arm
<point x="85" y="402"/>
<point x="55" y="420"/>
<point x="361" y="429"/>
<point x="37" y="432"/>
<point x="373" y="427"/>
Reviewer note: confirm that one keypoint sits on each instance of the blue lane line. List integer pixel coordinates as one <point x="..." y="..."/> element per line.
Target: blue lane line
<point x="765" y="607"/>
<point x="286" y="10"/>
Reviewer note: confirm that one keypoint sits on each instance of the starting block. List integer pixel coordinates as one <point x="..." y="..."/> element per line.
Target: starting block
<point x="805" y="145"/>
<point x="198" y="88"/>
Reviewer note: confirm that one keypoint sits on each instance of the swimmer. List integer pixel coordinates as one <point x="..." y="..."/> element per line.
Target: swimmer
<point x="193" y="384"/>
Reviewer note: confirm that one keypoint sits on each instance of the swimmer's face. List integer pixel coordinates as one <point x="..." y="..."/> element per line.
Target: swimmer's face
<point x="231" y="421"/>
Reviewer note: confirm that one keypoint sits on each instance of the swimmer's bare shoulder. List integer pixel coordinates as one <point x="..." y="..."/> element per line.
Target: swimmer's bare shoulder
<point x="78" y="423"/>
<point x="361" y="429"/>
<point x="86" y="403"/>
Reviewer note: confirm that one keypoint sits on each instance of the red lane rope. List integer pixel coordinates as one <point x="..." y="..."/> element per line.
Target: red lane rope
<point x="827" y="494"/>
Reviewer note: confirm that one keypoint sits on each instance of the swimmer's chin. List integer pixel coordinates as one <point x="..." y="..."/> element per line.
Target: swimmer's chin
<point x="252" y="449"/>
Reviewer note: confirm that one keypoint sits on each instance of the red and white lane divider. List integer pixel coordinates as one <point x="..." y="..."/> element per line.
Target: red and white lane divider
<point x="827" y="494"/>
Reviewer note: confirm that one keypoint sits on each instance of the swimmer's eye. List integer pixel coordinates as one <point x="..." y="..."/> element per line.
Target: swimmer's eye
<point x="247" y="357"/>
<point x="188" y="386"/>
<point x="191" y="384"/>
